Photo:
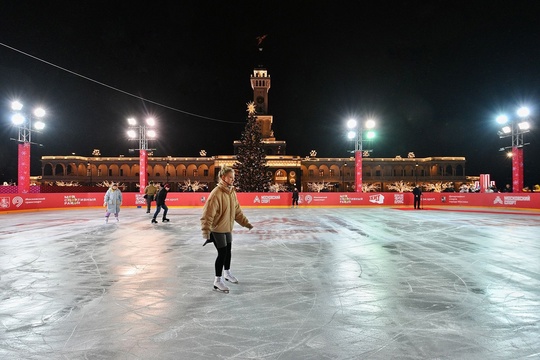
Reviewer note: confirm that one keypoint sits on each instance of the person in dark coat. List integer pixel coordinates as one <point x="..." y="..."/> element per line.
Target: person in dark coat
<point x="160" y="203"/>
<point x="417" y="192"/>
<point x="295" y="197"/>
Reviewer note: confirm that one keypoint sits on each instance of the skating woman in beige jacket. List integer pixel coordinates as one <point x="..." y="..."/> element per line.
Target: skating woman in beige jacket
<point x="219" y="214"/>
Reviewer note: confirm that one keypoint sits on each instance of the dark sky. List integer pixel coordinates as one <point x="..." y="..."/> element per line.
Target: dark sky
<point x="433" y="73"/>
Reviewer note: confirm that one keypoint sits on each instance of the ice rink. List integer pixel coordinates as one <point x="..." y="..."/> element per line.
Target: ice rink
<point x="314" y="283"/>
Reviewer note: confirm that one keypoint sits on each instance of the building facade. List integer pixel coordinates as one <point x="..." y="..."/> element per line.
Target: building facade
<point x="337" y="174"/>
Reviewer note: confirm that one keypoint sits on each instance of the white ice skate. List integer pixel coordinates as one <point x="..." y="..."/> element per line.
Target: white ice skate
<point x="230" y="277"/>
<point x="220" y="286"/>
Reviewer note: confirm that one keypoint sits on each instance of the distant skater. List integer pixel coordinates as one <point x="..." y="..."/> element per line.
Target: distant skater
<point x="295" y="197"/>
<point x="149" y="194"/>
<point x="161" y="196"/>
<point x="220" y="212"/>
<point x="112" y="201"/>
<point x="417" y="192"/>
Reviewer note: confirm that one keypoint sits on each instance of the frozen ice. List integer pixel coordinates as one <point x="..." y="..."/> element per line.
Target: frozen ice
<point x="314" y="283"/>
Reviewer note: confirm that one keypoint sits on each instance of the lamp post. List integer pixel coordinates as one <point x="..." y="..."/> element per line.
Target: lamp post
<point x="142" y="133"/>
<point x="515" y="128"/>
<point x="24" y="122"/>
<point x="343" y="176"/>
<point x="356" y="133"/>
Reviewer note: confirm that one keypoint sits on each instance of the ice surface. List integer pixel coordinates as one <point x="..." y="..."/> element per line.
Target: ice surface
<point x="357" y="283"/>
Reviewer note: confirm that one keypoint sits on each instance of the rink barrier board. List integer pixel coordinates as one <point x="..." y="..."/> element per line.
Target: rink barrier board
<point x="49" y="201"/>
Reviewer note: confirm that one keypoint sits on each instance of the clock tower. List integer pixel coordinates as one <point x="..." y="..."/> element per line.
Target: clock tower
<point x="260" y="83"/>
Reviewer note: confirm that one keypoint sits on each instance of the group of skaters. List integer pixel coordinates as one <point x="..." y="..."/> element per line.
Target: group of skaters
<point x="158" y="194"/>
<point x="113" y="200"/>
<point x="220" y="212"/>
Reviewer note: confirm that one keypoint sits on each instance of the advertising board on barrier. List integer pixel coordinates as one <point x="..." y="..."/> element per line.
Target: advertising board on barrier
<point x="14" y="202"/>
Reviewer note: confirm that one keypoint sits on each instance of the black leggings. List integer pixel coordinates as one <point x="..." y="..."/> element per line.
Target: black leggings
<point x="223" y="260"/>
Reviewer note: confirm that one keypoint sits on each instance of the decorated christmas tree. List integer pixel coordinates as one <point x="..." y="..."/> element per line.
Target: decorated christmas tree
<point x="250" y="167"/>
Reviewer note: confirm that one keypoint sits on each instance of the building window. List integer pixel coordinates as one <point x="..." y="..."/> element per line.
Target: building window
<point x="195" y="173"/>
<point x="184" y="172"/>
<point x="110" y="172"/>
<point x="321" y="173"/>
<point x="121" y="172"/>
<point x="331" y="172"/>
<point x="310" y="172"/>
<point x="205" y="172"/>
<point x="377" y="172"/>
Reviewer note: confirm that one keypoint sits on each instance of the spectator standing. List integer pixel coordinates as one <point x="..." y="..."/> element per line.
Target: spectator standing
<point x="149" y="194"/>
<point x="417" y="192"/>
<point x="295" y="197"/>
<point x="507" y="189"/>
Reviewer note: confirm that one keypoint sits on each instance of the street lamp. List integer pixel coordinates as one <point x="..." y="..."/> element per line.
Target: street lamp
<point x="24" y="122"/>
<point x="169" y="158"/>
<point x="357" y="134"/>
<point x="515" y="128"/>
<point x="89" y="170"/>
<point x="343" y="176"/>
<point x="142" y="133"/>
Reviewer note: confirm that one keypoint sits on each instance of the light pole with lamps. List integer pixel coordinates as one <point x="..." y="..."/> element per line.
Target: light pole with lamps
<point x="343" y="176"/>
<point x="89" y="171"/>
<point x="169" y="158"/>
<point x="24" y="122"/>
<point x="356" y="134"/>
<point x="515" y="129"/>
<point x="143" y="133"/>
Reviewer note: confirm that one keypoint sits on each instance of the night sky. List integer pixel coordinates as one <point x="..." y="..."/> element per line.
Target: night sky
<point x="433" y="73"/>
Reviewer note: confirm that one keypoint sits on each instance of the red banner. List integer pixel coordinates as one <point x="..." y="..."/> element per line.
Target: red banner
<point x="13" y="202"/>
<point x="517" y="169"/>
<point x="24" y="168"/>
<point x="358" y="171"/>
<point x="143" y="172"/>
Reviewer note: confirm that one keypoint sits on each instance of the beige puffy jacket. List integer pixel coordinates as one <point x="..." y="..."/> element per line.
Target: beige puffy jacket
<point x="220" y="212"/>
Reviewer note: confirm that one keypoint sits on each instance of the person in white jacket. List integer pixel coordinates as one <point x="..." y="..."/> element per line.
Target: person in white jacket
<point x="112" y="201"/>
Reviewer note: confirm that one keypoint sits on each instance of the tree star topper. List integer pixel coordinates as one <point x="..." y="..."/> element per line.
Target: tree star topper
<point x="251" y="108"/>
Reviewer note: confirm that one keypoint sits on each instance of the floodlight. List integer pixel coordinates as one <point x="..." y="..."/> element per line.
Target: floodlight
<point x="523" y="125"/>
<point x="16" y="105"/>
<point x="523" y="111"/>
<point x="18" y="119"/>
<point x="502" y="119"/>
<point x="39" y="125"/>
<point x="351" y="123"/>
<point x="39" y="112"/>
<point x="370" y="124"/>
